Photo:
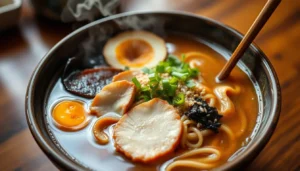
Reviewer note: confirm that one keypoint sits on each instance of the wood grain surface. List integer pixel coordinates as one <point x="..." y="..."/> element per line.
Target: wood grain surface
<point x="22" y="47"/>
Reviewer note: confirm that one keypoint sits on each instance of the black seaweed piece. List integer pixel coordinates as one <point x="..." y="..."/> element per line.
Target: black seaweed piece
<point x="81" y="62"/>
<point x="89" y="82"/>
<point x="206" y="115"/>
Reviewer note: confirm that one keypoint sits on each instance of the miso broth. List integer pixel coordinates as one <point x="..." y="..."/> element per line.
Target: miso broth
<point x="82" y="147"/>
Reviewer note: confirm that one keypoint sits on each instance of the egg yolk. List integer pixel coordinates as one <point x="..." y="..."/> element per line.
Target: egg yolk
<point x="69" y="113"/>
<point x="134" y="52"/>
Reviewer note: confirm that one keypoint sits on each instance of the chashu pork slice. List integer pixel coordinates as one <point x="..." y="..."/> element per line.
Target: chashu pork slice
<point x="149" y="131"/>
<point x="128" y="75"/>
<point x="115" y="97"/>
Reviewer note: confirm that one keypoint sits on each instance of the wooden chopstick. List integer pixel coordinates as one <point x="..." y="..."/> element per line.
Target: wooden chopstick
<point x="259" y="22"/>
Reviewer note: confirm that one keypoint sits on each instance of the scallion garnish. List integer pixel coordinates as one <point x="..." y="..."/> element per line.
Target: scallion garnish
<point x="180" y="75"/>
<point x="165" y="84"/>
<point x="144" y="97"/>
<point x="160" y="68"/>
<point x="154" y="77"/>
<point x="190" y="83"/>
<point x="146" y="70"/>
<point x="173" y="60"/>
<point x="136" y="83"/>
<point x="172" y="90"/>
<point x="194" y="72"/>
<point x="164" y="80"/>
<point x="179" y="99"/>
<point x="173" y="80"/>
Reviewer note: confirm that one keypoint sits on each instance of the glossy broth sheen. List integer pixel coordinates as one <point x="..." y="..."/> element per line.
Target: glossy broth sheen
<point x="82" y="146"/>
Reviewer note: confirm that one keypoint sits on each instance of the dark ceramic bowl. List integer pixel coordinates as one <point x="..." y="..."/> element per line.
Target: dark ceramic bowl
<point x="92" y="37"/>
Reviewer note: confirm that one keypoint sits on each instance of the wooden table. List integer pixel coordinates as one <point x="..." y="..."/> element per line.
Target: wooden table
<point x="21" y="49"/>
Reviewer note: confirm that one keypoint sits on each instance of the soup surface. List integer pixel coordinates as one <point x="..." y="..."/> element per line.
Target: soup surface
<point x="239" y="112"/>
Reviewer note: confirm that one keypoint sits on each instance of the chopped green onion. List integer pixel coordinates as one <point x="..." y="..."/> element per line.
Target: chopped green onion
<point x="136" y="83"/>
<point x="144" y="97"/>
<point x="160" y="68"/>
<point x="147" y="93"/>
<point x="190" y="83"/>
<point x="166" y="86"/>
<point x="172" y="90"/>
<point x="146" y="70"/>
<point x="152" y="77"/>
<point x="184" y="67"/>
<point x="168" y="69"/>
<point x="194" y="72"/>
<point x="145" y="89"/>
<point x="173" y="60"/>
<point x="126" y="68"/>
<point x="153" y="84"/>
<point x="181" y="76"/>
<point x="178" y="72"/>
<point x="173" y="80"/>
<point x="179" y="99"/>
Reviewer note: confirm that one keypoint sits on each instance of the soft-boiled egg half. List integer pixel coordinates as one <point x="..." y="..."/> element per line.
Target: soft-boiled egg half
<point x="70" y="115"/>
<point x="135" y="49"/>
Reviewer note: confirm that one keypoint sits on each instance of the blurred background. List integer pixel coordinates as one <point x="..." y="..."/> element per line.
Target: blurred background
<point x="28" y="29"/>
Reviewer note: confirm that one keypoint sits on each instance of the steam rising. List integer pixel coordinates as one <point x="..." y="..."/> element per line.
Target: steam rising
<point x="97" y="35"/>
<point x="90" y="50"/>
<point x="82" y="10"/>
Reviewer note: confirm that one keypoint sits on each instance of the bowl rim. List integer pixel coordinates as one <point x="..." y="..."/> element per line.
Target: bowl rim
<point x="252" y="150"/>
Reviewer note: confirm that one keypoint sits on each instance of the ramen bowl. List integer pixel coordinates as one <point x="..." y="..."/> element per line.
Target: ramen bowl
<point x="87" y="43"/>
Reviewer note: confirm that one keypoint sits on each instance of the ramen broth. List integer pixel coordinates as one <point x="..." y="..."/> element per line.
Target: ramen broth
<point x="82" y="147"/>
